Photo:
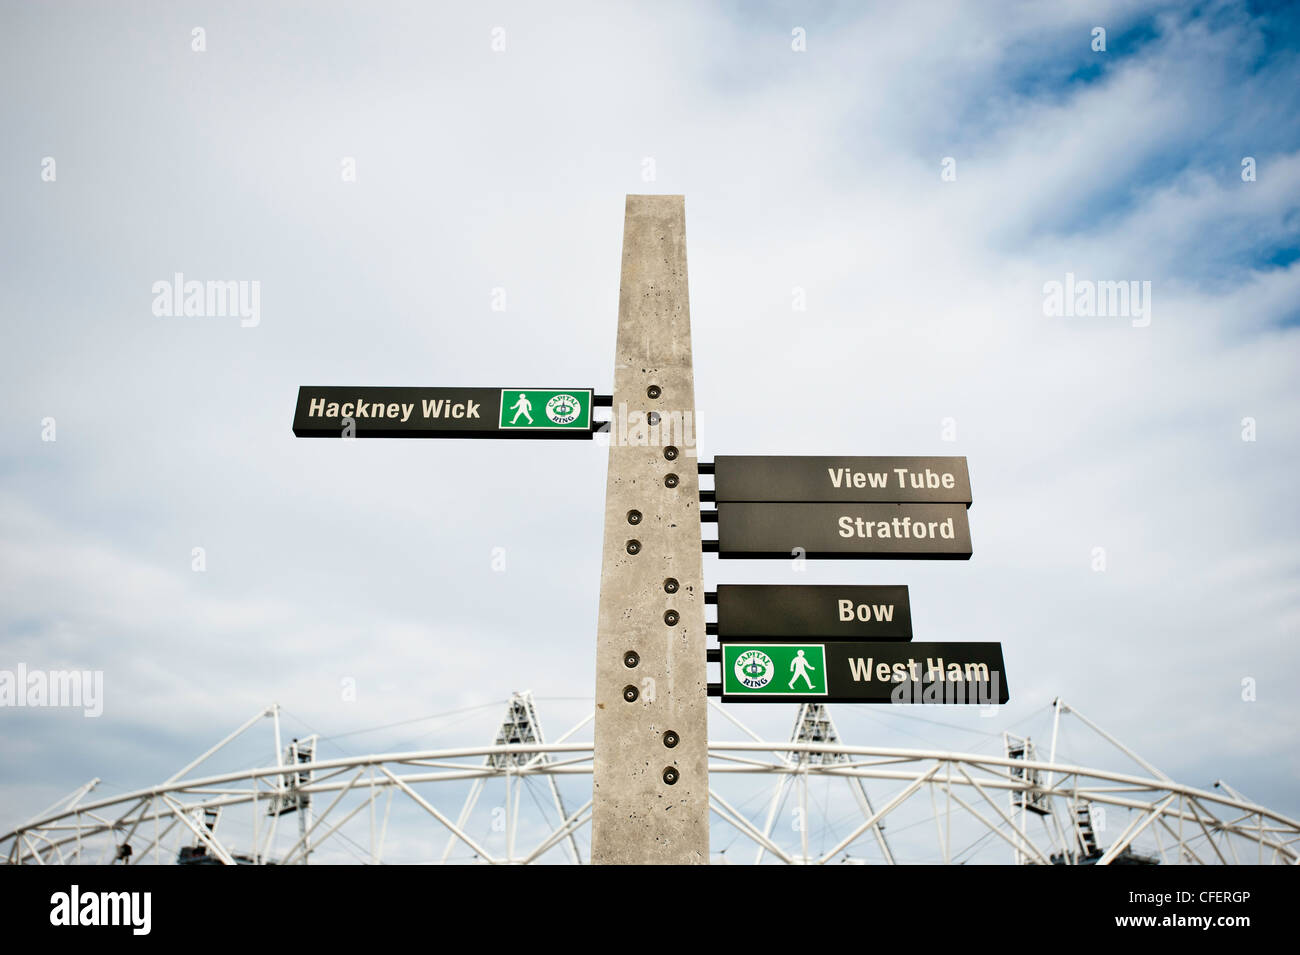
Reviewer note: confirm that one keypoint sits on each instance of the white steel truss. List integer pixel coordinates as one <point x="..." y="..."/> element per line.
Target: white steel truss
<point x="969" y="794"/>
<point x="813" y="724"/>
<point x="519" y="726"/>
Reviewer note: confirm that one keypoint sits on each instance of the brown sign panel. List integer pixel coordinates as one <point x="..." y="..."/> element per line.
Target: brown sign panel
<point x="758" y="671"/>
<point x="886" y="480"/>
<point x="828" y="612"/>
<point x="396" y="412"/>
<point x="844" y="531"/>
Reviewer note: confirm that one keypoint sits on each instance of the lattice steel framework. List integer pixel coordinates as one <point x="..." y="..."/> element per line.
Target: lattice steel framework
<point x="186" y="816"/>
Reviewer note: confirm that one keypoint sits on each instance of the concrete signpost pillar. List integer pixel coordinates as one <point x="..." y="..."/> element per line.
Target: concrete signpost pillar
<point x="651" y="789"/>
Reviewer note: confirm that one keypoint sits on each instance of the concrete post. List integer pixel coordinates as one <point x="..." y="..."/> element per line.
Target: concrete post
<point x="650" y="777"/>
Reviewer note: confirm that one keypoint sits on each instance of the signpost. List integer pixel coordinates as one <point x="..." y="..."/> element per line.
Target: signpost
<point x="844" y="531"/>
<point x="342" y="412"/>
<point x="650" y="766"/>
<point x="878" y="672"/>
<point x="650" y="798"/>
<point x="792" y="612"/>
<point x="739" y="478"/>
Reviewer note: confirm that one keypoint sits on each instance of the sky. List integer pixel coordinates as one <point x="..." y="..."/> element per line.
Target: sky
<point x="873" y="222"/>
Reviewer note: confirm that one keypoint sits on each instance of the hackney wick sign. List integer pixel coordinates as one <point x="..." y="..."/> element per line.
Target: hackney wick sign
<point x="341" y="412"/>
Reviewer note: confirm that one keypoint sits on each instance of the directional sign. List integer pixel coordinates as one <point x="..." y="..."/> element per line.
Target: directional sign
<point x="336" y="412"/>
<point x="760" y="670"/>
<point x="844" y="479"/>
<point x="831" y="612"/>
<point x="889" y="531"/>
<point x="539" y="409"/>
<point x="755" y="672"/>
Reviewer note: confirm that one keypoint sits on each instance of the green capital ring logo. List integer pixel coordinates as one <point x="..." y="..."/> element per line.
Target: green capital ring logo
<point x="563" y="409"/>
<point x="754" y="669"/>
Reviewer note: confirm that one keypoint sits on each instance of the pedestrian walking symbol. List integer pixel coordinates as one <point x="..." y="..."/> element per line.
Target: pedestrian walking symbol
<point x="540" y="409"/>
<point x="801" y="666"/>
<point x="754" y="669"/>
<point x="522" y="406"/>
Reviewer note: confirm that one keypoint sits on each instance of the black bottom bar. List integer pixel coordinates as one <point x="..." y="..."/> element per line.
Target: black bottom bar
<point x="1243" y="905"/>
